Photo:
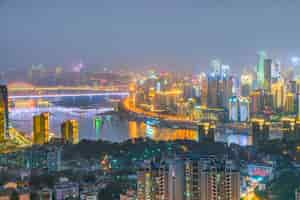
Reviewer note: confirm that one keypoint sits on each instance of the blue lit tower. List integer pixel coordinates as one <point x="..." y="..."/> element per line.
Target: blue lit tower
<point x="233" y="109"/>
<point x="244" y="109"/>
<point x="216" y="67"/>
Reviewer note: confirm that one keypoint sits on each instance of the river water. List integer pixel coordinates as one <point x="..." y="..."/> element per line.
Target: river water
<point x="112" y="127"/>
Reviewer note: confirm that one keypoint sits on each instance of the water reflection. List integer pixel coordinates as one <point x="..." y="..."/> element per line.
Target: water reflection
<point x="147" y="129"/>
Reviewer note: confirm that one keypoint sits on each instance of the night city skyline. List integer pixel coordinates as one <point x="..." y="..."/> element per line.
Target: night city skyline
<point x="171" y="34"/>
<point x="149" y="100"/>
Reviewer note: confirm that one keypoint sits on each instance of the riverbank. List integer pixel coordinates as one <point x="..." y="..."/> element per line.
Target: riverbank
<point x="170" y="121"/>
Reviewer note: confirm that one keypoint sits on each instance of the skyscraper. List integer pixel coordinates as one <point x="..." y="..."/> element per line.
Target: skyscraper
<point x="260" y="69"/>
<point x="212" y="91"/>
<point x="41" y="128"/>
<point x="204" y="88"/>
<point x="267" y="74"/>
<point x="246" y="84"/>
<point x="289" y="105"/>
<point x="69" y="131"/>
<point x="256" y="98"/>
<point x="4" y="123"/>
<point x="278" y="94"/>
<point x="239" y="109"/>
<point x="216" y="67"/>
<point x="225" y="88"/>
<point x="276" y="70"/>
<point x="233" y="109"/>
<point x="244" y="110"/>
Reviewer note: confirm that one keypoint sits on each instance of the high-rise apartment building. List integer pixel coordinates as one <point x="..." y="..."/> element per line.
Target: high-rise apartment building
<point x="152" y="181"/>
<point x="220" y="180"/>
<point x="297" y="194"/>
<point x="190" y="178"/>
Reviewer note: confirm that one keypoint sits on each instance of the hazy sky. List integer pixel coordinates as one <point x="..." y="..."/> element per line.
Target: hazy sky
<point x="172" y="33"/>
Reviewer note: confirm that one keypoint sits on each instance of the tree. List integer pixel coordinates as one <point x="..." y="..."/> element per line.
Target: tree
<point x="14" y="195"/>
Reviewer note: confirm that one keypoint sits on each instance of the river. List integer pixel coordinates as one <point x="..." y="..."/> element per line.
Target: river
<point x="111" y="127"/>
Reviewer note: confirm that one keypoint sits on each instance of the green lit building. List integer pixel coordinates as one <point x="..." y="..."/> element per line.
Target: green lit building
<point x="260" y="69"/>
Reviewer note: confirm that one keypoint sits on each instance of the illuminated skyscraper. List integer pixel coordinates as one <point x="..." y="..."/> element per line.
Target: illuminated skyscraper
<point x="69" y="131"/>
<point x="225" y="70"/>
<point x="41" y="128"/>
<point x="204" y="87"/>
<point x="213" y="91"/>
<point x="98" y="122"/>
<point x="276" y="70"/>
<point x="233" y="109"/>
<point x="132" y="94"/>
<point x="246" y="84"/>
<point x="225" y="91"/>
<point x="216" y="67"/>
<point x="4" y="123"/>
<point x="256" y="98"/>
<point x="267" y="74"/>
<point x="278" y="94"/>
<point x="239" y="109"/>
<point x="244" y="109"/>
<point x="260" y="69"/>
<point x="289" y="106"/>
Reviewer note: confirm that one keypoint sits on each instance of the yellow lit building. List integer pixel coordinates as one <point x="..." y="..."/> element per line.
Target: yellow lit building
<point x="278" y="94"/>
<point x="3" y="113"/>
<point x="132" y="93"/>
<point x="41" y="128"/>
<point x="289" y="103"/>
<point x="69" y="131"/>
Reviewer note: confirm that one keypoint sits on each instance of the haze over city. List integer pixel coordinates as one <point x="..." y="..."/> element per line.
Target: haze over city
<point x="149" y="100"/>
<point x="173" y="35"/>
